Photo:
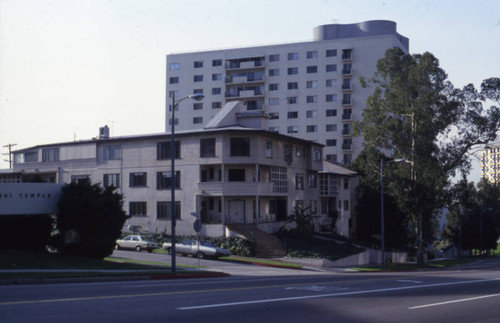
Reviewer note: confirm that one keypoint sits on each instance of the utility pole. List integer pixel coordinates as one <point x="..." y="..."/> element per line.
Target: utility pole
<point x="10" y="154"/>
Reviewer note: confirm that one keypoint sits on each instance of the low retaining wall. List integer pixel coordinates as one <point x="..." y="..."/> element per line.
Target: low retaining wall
<point x="367" y="257"/>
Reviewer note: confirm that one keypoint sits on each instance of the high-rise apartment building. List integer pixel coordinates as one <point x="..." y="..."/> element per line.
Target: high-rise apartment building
<point x="490" y="164"/>
<point x="308" y="89"/>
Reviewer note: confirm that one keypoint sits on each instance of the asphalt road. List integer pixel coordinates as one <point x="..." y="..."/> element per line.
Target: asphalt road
<point x="468" y="295"/>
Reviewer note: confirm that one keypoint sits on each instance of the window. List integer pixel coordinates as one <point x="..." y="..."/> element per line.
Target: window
<point x="138" y="179"/>
<point x="331" y="98"/>
<point x="312" y="69"/>
<point x="292" y="114"/>
<point x="331" y="52"/>
<point x="50" y="154"/>
<point x="331" y="142"/>
<point x="173" y="80"/>
<point x="346" y="205"/>
<point x="198" y="64"/>
<point x="312" y="180"/>
<point x="207" y="147"/>
<point x="198" y="91"/>
<point x="346" y="183"/>
<point x="138" y="208"/>
<point x="288" y="153"/>
<point x="163" y="210"/>
<point x="311" y="114"/>
<point x="111" y="180"/>
<point x="111" y="152"/>
<point x="292" y="100"/>
<point x="274" y="57"/>
<point x="293" y="56"/>
<point x="346" y="98"/>
<point x="197" y="120"/>
<point x="216" y="105"/>
<point x="347" y="129"/>
<point x="332" y="158"/>
<point x="299" y="181"/>
<point x="331" y="112"/>
<point x="274" y="72"/>
<point x="311" y="84"/>
<point x="331" y="127"/>
<point x="274" y="101"/>
<point x="347" y="68"/>
<point x="240" y="146"/>
<point x="269" y="149"/>
<point x="173" y="66"/>
<point x="198" y="78"/>
<point x="164" y="150"/>
<point x="293" y="70"/>
<point x="313" y="205"/>
<point x="273" y="87"/>
<point x="331" y="67"/>
<point x="312" y="128"/>
<point x="175" y="94"/>
<point x="300" y="151"/>
<point x="80" y="179"/>
<point x="331" y="83"/>
<point x="217" y="62"/>
<point x="346" y="84"/>
<point x="274" y="129"/>
<point x="217" y="77"/>
<point x="279" y="178"/>
<point x="293" y="85"/>
<point x="312" y="99"/>
<point x="216" y="90"/>
<point x="312" y="54"/>
<point x="317" y="154"/>
<point x="274" y="115"/>
<point x="164" y="180"/>
<point x="236" y="175"/>
<point x="292" y="129"/>
<point x="197" y="106"/>
<point x="176" y="121"/>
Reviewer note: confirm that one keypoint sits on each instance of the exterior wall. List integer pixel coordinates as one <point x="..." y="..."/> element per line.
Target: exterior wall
<point x="245" y="201"/>
<point x="368" y="42"/>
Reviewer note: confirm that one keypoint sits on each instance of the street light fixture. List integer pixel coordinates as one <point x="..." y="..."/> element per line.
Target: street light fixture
<point x="382" y="216"/>
<point x="197" y="97"/>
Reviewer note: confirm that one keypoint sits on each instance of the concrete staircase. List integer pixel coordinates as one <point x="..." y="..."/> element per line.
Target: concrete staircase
<point x="265" y="245"/>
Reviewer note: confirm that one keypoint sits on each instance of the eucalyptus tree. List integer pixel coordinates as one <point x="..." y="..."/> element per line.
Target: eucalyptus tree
<point x="417" y="115"/>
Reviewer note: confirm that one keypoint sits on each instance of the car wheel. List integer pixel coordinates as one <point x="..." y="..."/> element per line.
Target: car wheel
<point x="138" y="249"/>
<point x="150" y="250"/>
<point x="169" y="250"/>
<point x="200" y="255"/>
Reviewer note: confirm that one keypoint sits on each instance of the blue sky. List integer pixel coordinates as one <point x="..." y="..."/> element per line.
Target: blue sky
<point x="68" y="67"/>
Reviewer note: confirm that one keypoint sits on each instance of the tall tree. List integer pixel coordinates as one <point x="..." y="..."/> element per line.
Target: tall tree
<point x="417" y="115"/>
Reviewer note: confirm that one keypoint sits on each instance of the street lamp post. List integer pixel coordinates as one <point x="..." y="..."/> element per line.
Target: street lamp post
<point x="197" y="97"/>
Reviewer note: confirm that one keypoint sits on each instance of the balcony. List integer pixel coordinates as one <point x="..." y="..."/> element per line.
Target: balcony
<point x="243" y="80"/>
<point x="245" y="65"/>
<point x="346" y="146"/>
<point x="236" y="188"/>
<point x="346" y="102"/>
<point x="346" y="87"/>
<point x="347" y="55"/>
<point x="346" y="132"/>
<point x="346" y="71"/>
<point x="347" y="116"/>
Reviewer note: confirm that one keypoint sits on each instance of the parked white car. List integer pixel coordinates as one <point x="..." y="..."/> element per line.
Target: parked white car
<point x="201" y="250"/>
<point x="137" y="243"/>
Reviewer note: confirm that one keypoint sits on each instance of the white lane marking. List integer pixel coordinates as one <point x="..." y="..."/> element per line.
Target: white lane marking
<point x="335" y="294"/>
<point x="315" y="288"/>
<point x="410" y="281"/>
<point x="454" y="301"/>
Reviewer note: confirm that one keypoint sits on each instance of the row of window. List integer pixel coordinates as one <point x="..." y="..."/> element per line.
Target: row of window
<point x="163" y="209"/>
<point x="292" y="56"/>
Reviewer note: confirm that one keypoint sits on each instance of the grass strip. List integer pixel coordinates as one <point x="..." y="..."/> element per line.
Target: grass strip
<point x="261" y="262"/>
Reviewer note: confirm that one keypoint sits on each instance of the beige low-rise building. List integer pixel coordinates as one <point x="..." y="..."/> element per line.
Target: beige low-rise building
<point x="231" y="171"/>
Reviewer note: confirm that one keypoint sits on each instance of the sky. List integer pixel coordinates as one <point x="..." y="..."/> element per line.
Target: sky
<point x="68" y="67"/>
